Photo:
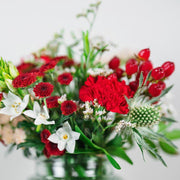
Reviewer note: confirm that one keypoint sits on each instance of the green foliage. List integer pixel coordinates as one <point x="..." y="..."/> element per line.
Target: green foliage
<point x="168" y="148"/>
<point x="87" y="141"/>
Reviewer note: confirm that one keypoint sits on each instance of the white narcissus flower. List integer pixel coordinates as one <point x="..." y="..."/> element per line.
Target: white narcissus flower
<point x="65" y="138"/>
<point x="14" y="105"/>
<point x="39" y="114"/>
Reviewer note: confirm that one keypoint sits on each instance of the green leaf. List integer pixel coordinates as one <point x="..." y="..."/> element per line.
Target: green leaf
<point x="153" y="100"/>
<point x="174" y="134"/>
<point x="117" y="141"/>
<point x="86" y="43"/>
<point x="167" y="148"/>
<point x="167" y="119"/>
<point x="119" y="152"/>
<point x="143" y="145"/>
<point x="141" y="80"/>
<point x="86" y="140"/>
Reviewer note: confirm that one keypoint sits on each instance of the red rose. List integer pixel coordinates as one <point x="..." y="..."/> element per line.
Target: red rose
<point x="51" y="149"/>
<point x="44" y="136"/>
<point x="24" y="80"/>
<point x="65" y="78"/>
<point x="49" y="65"/>
<point x="25" y="67"/>
<point x="162" y="84"/>
<point x="68" y="107"/>
<point x="109" y="93"/>
<point x="43" y="89"/>
<point x="52" y="102"/>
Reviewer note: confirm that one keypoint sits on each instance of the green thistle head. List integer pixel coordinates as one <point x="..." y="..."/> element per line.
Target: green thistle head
<point x="144" y="116"/>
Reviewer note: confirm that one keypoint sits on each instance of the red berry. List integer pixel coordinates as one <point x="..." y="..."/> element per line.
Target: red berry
<point x="155" y="90"/>
<point x="133" y="85"/>
<point x="144" y="54"/>
<point x="146" y="66"/>
<point x="114" y="63"/>
<point x="119" y="72"/>
<point x="162" y="84"/>
<point x="158" y="73"/>
<point x="131" y="66"/>
<point x="169" y="68"/>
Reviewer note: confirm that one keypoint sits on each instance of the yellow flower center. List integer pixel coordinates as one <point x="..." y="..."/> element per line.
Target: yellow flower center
<point x="16" y="107"/>
<point x="65" y="136"/>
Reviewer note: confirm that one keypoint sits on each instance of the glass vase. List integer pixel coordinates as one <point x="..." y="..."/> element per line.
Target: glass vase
<point x="74" y="167"/>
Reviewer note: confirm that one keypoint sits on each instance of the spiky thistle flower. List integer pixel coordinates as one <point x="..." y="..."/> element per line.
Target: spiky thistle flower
<point x="144" y="116"/>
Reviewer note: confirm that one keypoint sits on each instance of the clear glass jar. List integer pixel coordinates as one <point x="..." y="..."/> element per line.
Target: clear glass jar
<point x="74" y="167"/>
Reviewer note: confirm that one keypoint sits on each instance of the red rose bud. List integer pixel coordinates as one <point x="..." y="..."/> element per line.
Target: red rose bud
<point x="155" y="90"/>
<point x="119" y="72"/>
<point x="158" y="73"/>
<point x="44" y="136"/>
<point x="162" y="84"/>
<point x="169" y="68"/>
<point x="131" y="67"/>
<point x="114" y="63"/>
<point x="144" y="54"/>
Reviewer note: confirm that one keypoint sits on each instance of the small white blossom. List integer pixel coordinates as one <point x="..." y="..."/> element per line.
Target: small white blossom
<point x="65" y="138"/>
<point x="39" y="114"/>
<point x="122" y="125"/>
<point x="62" y="99"/>
<point x="100" y="71"/>
<point x="14" y="106"/>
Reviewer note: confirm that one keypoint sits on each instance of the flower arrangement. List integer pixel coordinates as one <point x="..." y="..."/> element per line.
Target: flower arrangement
<point x="57" y="106"/>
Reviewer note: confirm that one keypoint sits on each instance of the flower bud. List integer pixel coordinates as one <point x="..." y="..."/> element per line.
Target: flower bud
<point x="13" y="70"/>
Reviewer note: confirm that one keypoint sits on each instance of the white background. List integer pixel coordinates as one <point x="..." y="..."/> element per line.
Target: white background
<point x="25" y="26"/>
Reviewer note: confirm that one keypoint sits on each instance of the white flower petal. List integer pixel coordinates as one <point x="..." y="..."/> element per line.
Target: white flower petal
<point x="75" y="135"/>
<point x="67" y="127"/>
<point x="5" y="111"/>
<point x="14" y="116"/>
<point x="61" y="145"/>
<point x="59" y="131"/>
<point x="13" y="98"/>
<point x="70" y="146"/>
<point x="36" y="108"/>
<point x="26" y="100"/>
<point x="30" y="113"/>
<point x="54" y="138"/>
<point x="45" y="109"/>
<point x="40" y="120"/>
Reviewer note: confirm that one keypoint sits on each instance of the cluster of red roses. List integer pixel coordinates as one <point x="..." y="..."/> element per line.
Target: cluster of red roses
<point x="28" y="76"/>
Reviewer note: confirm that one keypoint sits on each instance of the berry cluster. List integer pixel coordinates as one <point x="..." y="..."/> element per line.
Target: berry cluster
<point x="142" y="64"/>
